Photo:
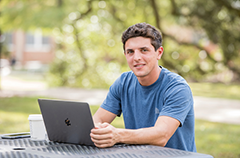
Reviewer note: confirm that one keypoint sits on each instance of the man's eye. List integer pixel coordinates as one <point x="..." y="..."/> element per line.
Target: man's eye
<point x="129" y="52"/>
<point x="144" y="50"/>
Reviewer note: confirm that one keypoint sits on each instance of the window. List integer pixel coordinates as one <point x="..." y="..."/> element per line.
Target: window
<point x="45" y="40"/>
<point x="36" y="42"/>
<point x="29" y="39"/>
<point x="7" y="39"/>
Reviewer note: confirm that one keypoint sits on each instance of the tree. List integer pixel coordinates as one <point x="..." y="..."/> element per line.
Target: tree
<point x="88" y="35"/>
<point x="216" y="21"/>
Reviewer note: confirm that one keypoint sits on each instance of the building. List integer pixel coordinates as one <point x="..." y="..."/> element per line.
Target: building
<point x="30" y="50"/>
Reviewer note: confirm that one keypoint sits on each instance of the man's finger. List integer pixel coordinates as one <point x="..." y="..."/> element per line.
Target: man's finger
<point x="101" y="131"/>
<point x="101" y="137"/>
<point x="103" y="143"/>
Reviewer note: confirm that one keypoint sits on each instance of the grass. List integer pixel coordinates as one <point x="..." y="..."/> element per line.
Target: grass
<point x="216" y="90"/>
<point x="14" y="114"/>
<point x="217" y="139"/>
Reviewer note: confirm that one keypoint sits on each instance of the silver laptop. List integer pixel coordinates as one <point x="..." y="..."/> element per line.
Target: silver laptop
<point x="67" y="121"/>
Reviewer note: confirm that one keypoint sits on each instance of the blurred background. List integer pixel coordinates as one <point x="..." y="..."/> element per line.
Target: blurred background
<point x="77" y="44"/>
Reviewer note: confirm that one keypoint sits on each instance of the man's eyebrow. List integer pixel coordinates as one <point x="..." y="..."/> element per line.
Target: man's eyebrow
<point x="138" y="48"/>
<point x="129" y="50"/>
<point x="144" y="47"/>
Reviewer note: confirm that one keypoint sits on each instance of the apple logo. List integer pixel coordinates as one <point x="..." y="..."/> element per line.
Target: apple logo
<point x="67" y="122"/>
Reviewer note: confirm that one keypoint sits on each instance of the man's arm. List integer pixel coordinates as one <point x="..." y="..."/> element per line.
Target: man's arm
<point x="102" y="116"/>
<point x="159" y="135"/>
<point x="105" y="135"/>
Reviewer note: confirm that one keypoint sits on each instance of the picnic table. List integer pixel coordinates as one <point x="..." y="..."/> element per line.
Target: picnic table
<point x="27" y="148"/>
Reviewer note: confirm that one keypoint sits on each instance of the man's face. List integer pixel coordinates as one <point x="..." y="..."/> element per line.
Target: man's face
<point x="142" y="57"/>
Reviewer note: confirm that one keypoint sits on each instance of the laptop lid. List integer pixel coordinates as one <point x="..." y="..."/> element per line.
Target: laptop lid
<point x="67" y="121"/>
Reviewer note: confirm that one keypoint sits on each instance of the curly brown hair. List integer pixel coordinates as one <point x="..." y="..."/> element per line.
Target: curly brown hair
<point x="143" y="30"/>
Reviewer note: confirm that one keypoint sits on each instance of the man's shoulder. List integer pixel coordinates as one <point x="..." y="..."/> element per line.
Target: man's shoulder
<point x="127" y="76"/>
<point x="127" y="73"/>
<point x="172" y="76"/>
<point x="173" y="81"/>
<point x="169" y="73"/>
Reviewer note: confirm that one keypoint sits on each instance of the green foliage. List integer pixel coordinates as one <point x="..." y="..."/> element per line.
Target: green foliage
<point x="4" y="51"/>
<point x="200" y="38"/>
<point x="214" y="22"/>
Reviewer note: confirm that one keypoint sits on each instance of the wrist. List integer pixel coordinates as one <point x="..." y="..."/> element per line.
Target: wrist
<point x="124" y="136"/>
<point x="118" y="136"/>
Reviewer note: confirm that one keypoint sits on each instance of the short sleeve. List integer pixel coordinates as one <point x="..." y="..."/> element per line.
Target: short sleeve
<point x="112" y="103"/>
<point x="178" y="101"/>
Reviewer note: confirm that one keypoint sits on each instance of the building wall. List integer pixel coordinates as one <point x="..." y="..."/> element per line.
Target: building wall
<point x="29" y="47"/>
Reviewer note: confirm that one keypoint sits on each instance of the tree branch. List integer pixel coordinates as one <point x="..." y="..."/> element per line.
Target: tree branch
<point x="87" y="12"/>
<point x="78" y="43"/>
<point x="189" y="44"/>
<point x="156" y="15"/>
<point x="157" y="18"/>
<point x="228" y="6"/>
<point x="113" y="11"/>
<point x="59" y="3"/>
<point x="174" y="8"/>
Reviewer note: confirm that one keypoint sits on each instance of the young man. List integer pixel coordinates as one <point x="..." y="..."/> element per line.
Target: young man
<point x="157" y="105"/>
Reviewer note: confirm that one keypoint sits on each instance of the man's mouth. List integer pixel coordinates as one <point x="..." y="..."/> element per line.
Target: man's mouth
<point x="139" y="65"/>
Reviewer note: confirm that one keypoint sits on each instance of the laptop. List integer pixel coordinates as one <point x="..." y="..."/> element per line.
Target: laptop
<point x="67" y="121"/>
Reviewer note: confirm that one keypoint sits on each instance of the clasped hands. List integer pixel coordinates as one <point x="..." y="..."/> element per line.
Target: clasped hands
<point x="104" y="135"/>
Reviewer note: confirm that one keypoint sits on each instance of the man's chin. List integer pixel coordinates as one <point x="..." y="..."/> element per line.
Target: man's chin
<point x="139" y="74"/>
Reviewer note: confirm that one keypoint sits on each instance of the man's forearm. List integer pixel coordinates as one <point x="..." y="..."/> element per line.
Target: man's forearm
<point x="105" y="135"/>
<point x="158" y="135"/>
<point x="102" y="116"/>
<point x="151" y="135"/>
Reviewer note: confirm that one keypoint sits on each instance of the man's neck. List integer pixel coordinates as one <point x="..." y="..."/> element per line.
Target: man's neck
<point x="150" y="79"/>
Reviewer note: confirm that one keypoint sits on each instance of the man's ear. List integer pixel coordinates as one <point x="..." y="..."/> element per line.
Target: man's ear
<point x="160" y="52"/>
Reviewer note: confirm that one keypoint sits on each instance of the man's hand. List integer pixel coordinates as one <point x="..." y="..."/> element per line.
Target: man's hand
<point x="104" y="135"/>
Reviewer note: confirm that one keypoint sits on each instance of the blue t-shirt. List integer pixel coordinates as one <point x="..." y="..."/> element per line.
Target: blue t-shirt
<point x="141" y="105"/>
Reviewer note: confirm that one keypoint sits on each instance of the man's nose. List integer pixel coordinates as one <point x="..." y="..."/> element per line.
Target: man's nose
<point x="137" y="55"/>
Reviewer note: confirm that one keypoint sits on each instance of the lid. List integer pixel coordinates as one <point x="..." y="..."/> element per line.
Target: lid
<point x="35" y="117"/>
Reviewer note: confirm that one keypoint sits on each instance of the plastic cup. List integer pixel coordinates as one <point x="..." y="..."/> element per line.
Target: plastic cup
<point x="37" y="127"/>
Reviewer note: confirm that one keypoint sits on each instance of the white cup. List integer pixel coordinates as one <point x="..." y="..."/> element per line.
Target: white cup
<point x="37" y="127"/>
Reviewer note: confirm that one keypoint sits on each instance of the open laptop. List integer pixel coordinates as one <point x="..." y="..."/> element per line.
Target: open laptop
<point x="67" y="121"/>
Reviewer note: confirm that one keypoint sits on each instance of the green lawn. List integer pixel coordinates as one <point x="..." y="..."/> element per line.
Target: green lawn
<point x="217" y="139"/>
<point x="216" y="90"/>
<point x="14" y="114"/>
